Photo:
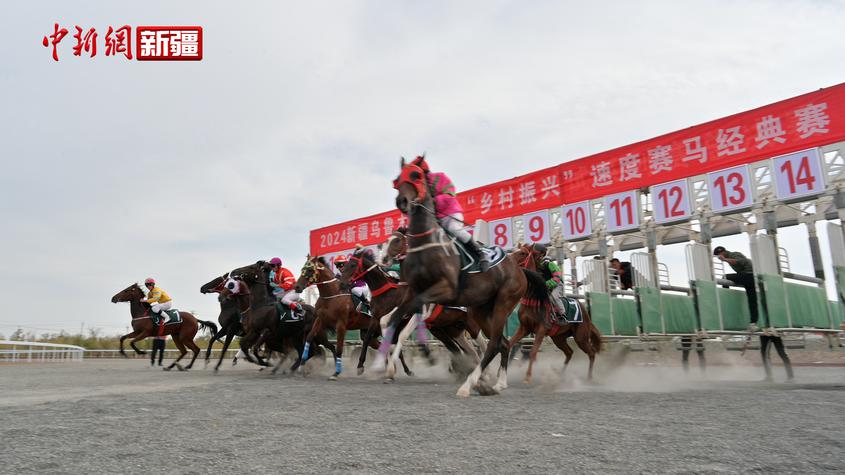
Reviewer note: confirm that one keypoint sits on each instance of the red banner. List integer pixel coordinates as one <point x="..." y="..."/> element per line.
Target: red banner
<point x="802" y="122"/>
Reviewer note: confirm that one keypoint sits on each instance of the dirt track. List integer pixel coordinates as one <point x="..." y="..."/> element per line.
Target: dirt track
<point x="119" y="416"/>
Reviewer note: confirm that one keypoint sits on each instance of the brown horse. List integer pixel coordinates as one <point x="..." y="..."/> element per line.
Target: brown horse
<point x="230" y="322"/>
<point x="335" y="310"/>
<point x="447" y="324"/>
<point x="433" y="271"/>
<point x="142" y="326"/>
<point x="533" y="315"/>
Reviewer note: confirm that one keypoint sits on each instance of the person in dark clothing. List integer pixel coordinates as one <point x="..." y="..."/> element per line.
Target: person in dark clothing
<point x="765" y="342"/>
<point x="623" y="270"/>
<point x="743" y="276"/>
<point x="158" y="346"/>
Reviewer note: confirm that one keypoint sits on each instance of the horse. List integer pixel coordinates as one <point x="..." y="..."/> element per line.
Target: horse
<point x="335" y="310"/>
<point x="230" y="322"/>
<point x="249" y="286"/>
<point x="533" y="315"/>
<point x="434" y="274"/>
<point x="142" y="326"/>
<point x="447" y="324"/>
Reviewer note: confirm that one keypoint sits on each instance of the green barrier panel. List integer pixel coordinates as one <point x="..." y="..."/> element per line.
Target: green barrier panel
<point x="712" y="299"/>
<point x="626" y="318"/>
<point x="598" y="304"/>
<point x="837" y="313"/>
<point x="679" y="313"/>
<point x="513" y="322"/>
<point x="734" y="305"/>
<point x="774" y="313"/>
<point x="707" y="304"/>
<point x="650" y="309"/>
<point x="808" y="306"/>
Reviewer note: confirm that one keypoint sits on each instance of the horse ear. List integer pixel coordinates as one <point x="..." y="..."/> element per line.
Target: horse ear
<point x="401" y="162"/>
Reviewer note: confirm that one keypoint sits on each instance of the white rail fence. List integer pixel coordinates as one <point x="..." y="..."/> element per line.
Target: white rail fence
<point x="32" y="351"/>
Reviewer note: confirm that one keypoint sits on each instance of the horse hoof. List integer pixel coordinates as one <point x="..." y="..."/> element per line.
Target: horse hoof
<point x="360" y="371"/>
<point x="180" y="368"/>
<point x="167" y="368"/>
<point x="463" y="393"/>
<point x="333" y="377"/>
<point x="216" y="369"/>
<point x="410" y="374"/>
<point x="526" y="381"/>
<point x="389" y="380"/>
<point x="432" y="361"/>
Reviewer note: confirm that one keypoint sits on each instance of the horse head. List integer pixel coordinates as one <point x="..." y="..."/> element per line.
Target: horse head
<point x="129" y="294"/>
<point x="529" y="256"/>
<point x="314" y="271"/>
<point x="412" y="187"/>
<point x="215" y="285"/>
<point x="394" y="248"/>
<point x="360" y="262"/>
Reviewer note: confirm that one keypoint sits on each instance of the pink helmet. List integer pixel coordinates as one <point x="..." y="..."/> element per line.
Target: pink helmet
<point x="275" y="261"/>
<point x="150" y="280"/>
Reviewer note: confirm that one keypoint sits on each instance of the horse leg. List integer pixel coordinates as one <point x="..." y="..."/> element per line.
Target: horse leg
<point x="189" y="342"/>
<point x="226" y="343"/>
<point x="338" y="361"/>
<point x="519" y="335"/>
<point x="177" y="340"/>
<point x="560" y="342"/>
<point x="138" y="337"/>
<point x="362" y="358"/>
<point x="535" y="348"/>
<point x="216" y="337"/>
<point x="397" y="350"/>
<point x="306" y="349"/>
<point x="128" y="335"/>
<point x="262" y="339"/>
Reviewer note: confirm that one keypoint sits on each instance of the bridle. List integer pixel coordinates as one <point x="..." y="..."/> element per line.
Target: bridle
<point x="310" y="270"/>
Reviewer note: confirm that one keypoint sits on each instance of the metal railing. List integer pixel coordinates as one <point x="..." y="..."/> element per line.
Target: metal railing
<point x="36" y="352"/>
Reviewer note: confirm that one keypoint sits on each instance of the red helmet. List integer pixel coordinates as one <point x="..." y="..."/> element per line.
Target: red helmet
<point x="420" y="162"/>
<point x="341" y="259"/>
<point x="150" y="280"/>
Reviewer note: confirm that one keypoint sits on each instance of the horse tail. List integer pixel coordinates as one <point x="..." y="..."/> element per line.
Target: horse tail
<point x="210" y="326"/>
<point x="595" y="334"/>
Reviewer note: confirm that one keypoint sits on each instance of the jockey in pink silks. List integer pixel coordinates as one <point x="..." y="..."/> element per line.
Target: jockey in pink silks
<point x="449" y="212"/>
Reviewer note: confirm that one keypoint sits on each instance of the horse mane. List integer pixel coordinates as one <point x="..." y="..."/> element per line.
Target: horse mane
<point x="322" y="260"/>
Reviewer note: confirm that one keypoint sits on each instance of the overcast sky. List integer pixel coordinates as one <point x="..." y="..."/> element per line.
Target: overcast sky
<point x="116" y="170"/>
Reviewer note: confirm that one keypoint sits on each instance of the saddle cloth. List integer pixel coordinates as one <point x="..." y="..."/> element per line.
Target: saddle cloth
<point x="469" y="264"/>
<point x="175" y="317"/>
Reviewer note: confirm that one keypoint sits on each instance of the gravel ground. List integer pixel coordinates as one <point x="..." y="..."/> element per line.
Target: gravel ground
<point x="119" y="416"/>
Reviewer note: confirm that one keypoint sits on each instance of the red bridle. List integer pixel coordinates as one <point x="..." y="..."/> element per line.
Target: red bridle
<point x="419" y="183"/>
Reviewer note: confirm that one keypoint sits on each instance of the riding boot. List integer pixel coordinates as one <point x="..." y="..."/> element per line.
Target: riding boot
<point x="478" y="251"/>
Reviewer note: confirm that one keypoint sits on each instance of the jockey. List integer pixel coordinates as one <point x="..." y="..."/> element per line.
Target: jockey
<point x="158" y="299"/>
<point x="359" y="288"/>
<point x="449" y="212"/>
<point x="551" y="272"/>
<point x="282" y="282"/>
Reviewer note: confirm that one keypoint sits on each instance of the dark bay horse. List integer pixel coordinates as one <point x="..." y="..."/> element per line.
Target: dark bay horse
<point x="335" y="309"/>
<point x="229" y="320"/>
<point x="142" y="326"/>
<point x="249" y="286"/>
<point x="432" y="269"/>
<point x="534" y="312"/>
<point x="445" y="323"/>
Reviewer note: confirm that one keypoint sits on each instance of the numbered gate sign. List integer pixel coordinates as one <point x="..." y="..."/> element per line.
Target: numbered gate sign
<point x="622" y="211"/>
<point x="729" y="189"/>
<point x="501" y="233"/>
<point x="671" y="201"/>
<point x="537" y="227"/>
<point x="576" y="221"/>
<point x="798" y="174"/>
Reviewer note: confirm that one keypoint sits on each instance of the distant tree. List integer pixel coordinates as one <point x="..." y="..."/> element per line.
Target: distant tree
<point x="17" y="335"/>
